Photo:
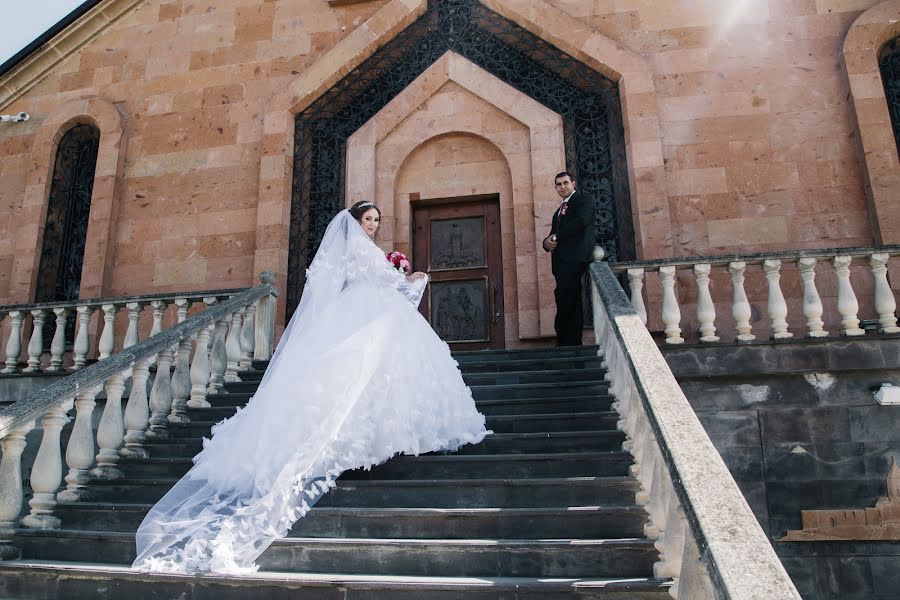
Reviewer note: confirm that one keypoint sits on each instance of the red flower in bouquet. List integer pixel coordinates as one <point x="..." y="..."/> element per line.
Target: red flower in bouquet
<point x="399" y="261"/>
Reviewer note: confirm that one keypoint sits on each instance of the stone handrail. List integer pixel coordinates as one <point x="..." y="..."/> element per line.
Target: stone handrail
<point x="709" y="541"/>
<point x="848" y="306"/>
<point x="16" y="316"/>
<point x="226" y="338"/>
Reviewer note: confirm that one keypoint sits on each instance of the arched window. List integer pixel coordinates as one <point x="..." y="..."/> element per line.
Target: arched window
<point x="69" y="205"/>
<point x="890" y="75"/>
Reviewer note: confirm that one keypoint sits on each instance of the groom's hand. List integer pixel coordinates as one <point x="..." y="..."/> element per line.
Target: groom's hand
<point x="550" y="243"/>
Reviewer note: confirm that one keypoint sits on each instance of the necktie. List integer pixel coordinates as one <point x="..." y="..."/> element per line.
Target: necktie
<point x="563" y="207"/>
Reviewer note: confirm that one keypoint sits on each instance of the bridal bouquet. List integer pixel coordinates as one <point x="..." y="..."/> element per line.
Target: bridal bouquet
<point x="399" y="261"/>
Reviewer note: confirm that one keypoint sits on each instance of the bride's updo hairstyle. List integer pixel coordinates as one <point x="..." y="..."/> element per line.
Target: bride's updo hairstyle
<point x="361" y="208"/>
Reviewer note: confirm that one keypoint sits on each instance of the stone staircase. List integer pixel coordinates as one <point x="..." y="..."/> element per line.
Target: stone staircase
<point x="544" y="508"/>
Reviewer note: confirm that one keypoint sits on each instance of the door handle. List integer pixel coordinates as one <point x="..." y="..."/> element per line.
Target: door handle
<point x="495" y="312"/>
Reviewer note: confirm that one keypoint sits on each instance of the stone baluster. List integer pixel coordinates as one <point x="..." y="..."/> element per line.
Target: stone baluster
<point x="706" y="310"/>
<point x="636" y="283"/>
<point x="36" y="343"/>
<point x="108" y="337"/>
<point x="137" y="412"/>
<point x="740" y="306"/>
<point x="111" y="431"/>
<point x="233" y="348"/>
<point x="58" y="344"/>
<point x="11" y="495"/>
<point x="200" y="365"/>
<point x="812" y="303"/>
<point x="82" y="338"/>
<point x="132" y="335"/>
<point x="181" y="377"/>
<point x="655" y="505"/>
<point x="670" y="543"/>
<point x="265" y="321"/>
<point x="693" y="581"/>
<point x="848" y="305"/>
<point x="248" y="338"/>
<point x="218" y="358"/>
<point x="81" y="448"/>
<point x="885" y="303"/>
<point x="161" y="396"/>
<point x="14" y="343"/>
<point x="671" y="314"/>
<point x="159" y="309"/>
<point x="46" y="472"/>
<point x="778" y="309"/>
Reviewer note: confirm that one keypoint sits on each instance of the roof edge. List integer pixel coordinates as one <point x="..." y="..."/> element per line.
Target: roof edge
<point x="36" y="61"/>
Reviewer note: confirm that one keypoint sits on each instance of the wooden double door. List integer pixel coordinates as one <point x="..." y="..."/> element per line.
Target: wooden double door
<point x="457" y="242"/>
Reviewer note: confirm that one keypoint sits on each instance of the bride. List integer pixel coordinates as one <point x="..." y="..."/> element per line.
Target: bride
<point x="358" y="377"/>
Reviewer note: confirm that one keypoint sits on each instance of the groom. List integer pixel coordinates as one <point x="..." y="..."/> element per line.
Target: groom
<point x="571" y="242"/>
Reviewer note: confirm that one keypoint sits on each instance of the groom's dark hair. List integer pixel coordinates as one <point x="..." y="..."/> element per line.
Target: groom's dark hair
<point x="361" y="207"/>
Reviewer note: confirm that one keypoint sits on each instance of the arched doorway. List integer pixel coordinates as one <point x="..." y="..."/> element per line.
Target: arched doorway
<point x="587" y="101"/>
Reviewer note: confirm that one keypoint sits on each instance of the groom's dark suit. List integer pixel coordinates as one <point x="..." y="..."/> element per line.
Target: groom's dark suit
<point x="576" y="241"/>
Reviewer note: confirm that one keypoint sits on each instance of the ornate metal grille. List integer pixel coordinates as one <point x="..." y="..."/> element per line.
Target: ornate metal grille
<point x="588" y="102"/>
<point x="890" y="74"/>
<point x="68" y="208"/>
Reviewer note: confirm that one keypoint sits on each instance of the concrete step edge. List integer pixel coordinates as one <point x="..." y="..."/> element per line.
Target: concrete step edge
<point x="109" y="571"/>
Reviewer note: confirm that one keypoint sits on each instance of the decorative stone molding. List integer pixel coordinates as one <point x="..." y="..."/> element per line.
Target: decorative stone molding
<point x="881" y="523"/>
<point x="878" y="149"/>
<point x="532" y="203"/>
<point x="73" y="38"/>
<point x="629" y="69"/>
<point x="102" y="221"/>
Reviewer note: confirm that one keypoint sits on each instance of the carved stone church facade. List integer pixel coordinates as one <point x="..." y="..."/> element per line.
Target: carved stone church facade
<point x="228" y="133"/>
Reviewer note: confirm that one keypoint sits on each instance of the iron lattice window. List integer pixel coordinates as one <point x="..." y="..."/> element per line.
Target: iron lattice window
<point x="890" y="75"/>
<point x="68" y="209"/>
<point x="587" y="101"/>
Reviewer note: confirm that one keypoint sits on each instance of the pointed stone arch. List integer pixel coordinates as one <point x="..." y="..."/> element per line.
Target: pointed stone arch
<point x="641" y="161"/>
<point x="525" y="215"/>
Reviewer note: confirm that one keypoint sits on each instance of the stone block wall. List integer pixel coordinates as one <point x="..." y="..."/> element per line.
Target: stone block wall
<point x="799" y="429"/>
<point x="741" y="129"/>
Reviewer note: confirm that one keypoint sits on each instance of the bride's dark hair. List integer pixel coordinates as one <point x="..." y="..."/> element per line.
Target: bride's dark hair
<point x="361" y="208"/>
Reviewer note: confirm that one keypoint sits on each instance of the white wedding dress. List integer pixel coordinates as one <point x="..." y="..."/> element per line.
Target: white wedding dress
<point x="358" y="377"/>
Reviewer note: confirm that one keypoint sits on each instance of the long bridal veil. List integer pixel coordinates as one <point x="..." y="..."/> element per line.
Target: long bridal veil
<point x="338" y="394"/>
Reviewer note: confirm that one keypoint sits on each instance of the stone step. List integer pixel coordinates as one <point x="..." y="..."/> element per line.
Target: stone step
<point x="439" y="466"/>
<point x="223" y="405"/>
<point x="529" y="377"/>
<point x="424" y="493"/>
<point x="549" y="422"/>
<point x="531" y="353"/>
<point x="488" y="385"/>
<point x="531" y="364"/>
<point x="582" y="522"/>
<point x="498" y="443"/>
<point x="555" y="558"/>
<point x="80" y="581"/>
<point x="583" y="372"/>
<point x="560" y="389"/>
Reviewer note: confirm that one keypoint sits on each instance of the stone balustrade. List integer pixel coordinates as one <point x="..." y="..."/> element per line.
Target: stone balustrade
<point x="708" y="539"/>
<point x="840" y="263"/>
<point x="26" y="325"/>
<point x="241" y="326"/>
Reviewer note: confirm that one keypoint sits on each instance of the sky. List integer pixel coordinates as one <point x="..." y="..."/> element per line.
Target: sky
<point x="22" y="22"/>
